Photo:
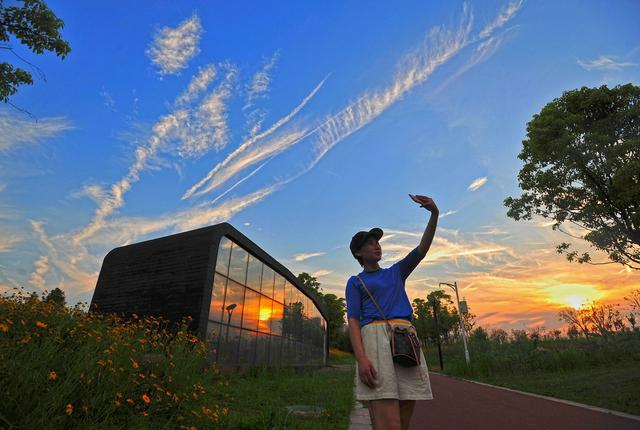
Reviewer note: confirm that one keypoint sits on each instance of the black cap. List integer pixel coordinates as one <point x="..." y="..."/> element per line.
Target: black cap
<point x="361" y="237"/>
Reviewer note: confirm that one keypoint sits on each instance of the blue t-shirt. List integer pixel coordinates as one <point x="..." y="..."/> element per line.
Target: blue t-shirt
<point x="387" y="286"/>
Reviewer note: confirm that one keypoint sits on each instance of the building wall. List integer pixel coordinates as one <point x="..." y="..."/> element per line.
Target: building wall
<point x="272" y="323"/>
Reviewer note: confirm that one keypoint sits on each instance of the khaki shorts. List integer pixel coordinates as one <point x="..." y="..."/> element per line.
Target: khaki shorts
<point x="393" y="381"/>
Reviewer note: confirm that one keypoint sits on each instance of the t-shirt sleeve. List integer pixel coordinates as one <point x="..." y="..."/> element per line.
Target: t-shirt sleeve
<point x="408" y="263"/>
<point x="352" y="293"/>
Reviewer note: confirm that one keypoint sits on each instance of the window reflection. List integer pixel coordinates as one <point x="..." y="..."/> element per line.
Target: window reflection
<point x="270" y="322"/>
<point x="265" y="314"/>
<point x="254" y="273"/>
<point x="235" y="296"/>
<point x="238" y="269"/>
<point x="224" y="250"/>
<point x="251" y="310"/>
<point x="216" y="309"/>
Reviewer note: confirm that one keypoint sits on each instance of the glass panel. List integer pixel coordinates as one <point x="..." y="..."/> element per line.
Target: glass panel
<point x="216" y="307"/>
<point x="212" y="340"/>
<point x="268" y="276"/>
<point x="222" y="263"/>
<point x="290" y="293"/>
<point x="275" y="351"/>
<point x="262" y="350"/>
<point x="247" y="348"/>
<point x="228" y="354"/>
<point x="276" y="319"/>
<point x="254" y="273"/>
<point x="235" y="296"/>
<point x="265" y="314"/>
<point x="238" y="270"/>
<point x="251" y="310"/>
<point x="278" y="289"/>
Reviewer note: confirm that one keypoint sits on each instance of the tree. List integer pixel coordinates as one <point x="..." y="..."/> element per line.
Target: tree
<point x="582" y="166"/>
<point x="56" y="296"/>
<point x="35" y="26"/>
<point x="333" y="306"/>
<point x="634" y="299"/>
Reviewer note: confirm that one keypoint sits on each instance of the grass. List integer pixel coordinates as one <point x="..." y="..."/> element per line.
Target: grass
<point x="594" y="371"/>
<point x="62" y="368"/>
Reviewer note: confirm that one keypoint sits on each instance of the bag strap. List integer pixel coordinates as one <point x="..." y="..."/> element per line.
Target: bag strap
<point x="375" y="303"/>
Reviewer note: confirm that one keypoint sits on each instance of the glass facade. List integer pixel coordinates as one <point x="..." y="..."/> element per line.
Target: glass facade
<point x="258" y="318"/>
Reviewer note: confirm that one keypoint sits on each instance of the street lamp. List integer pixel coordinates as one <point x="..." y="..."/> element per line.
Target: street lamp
<point x="230" y="309"/>
<point x="454" y="286"/>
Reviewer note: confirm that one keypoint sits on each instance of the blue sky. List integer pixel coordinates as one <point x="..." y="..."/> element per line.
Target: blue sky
<point x="301" y="124"/>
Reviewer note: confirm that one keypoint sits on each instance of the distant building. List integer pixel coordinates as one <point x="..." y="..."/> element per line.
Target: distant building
<point x="250" y="309"/>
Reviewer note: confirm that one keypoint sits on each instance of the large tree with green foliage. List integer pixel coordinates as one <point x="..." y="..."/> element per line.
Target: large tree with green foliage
<point x="33" y="24"/>
<point x="582" y="166"/>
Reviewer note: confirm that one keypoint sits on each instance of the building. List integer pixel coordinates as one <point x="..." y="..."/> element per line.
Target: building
<point x="250" y="309"/>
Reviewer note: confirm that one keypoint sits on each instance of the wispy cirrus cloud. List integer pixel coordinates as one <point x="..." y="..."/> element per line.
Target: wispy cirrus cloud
<point x="303" y="257"/>
<point x="8" y="241"/>
<point x="604" y="63"/>
<point x="241" y="158"/>
<point x="477" y="183"/>
<point x="173" y="48"/>
<point x="18" y="132"/>
<point x="259" y="85"/>
<point x="199" y="83"/>
<point x="41" y="269"/>
<point x="503" y="17"/>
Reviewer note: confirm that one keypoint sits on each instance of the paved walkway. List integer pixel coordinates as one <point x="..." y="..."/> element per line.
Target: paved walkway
<point x="459" y="404"/>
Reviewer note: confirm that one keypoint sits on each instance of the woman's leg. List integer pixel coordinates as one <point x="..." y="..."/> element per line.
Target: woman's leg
<point x="406" y="411"/>
<point x="386" y="414"/>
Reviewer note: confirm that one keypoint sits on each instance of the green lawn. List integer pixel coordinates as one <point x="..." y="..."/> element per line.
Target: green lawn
<point x="259" y="401"/>
<point x="616" y="388"/>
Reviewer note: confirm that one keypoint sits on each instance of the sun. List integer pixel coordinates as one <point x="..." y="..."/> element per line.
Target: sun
<point x="573" y="295"/>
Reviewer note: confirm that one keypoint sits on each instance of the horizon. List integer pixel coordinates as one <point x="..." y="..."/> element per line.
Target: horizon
<point x="302" y="126"/>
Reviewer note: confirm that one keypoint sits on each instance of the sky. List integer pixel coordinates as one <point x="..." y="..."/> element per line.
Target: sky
<point x="301" y="123"/>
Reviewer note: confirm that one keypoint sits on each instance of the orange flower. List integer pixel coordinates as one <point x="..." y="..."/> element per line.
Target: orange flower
<point x="4" y="327"/>
<point x="130" y="401"/>
<point x="117" y="403"/>
<point x="41" y="324"/>
<point x="225" y="410"/>
<point x="69" y="409"/>
<point x="146" y="399"/>
<point x="53" y="375"/>
<point x="134" y="363"/>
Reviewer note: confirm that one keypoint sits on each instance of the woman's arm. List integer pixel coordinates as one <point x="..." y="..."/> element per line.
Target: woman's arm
<point x="430" y="230"/>
<point x="366" y="370"/>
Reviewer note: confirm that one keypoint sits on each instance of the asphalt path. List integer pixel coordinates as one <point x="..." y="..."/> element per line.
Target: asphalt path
<point x="464" y="405"/>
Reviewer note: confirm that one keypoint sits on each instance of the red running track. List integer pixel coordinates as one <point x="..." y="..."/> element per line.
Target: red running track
<point x="459" y="405"/>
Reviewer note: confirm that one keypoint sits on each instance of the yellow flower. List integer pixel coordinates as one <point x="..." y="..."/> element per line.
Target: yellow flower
<point x="146" y="399"/>
<point x="69" y="409"/>
<point x="41" y="324"/>
<point x="53" y="375"/>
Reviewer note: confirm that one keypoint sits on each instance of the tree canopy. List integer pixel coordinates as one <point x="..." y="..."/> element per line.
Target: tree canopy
<point x="34" y="25"/>
<point x="582" y="166"/>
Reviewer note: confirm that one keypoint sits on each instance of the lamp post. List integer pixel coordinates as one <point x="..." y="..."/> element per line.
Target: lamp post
<point x="454" y="286"/>
<point x="229" y="309"/>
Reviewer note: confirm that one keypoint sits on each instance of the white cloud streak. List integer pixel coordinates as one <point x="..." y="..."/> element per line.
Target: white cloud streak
<point x="477" y="183"/>
<point x="42" y="267"/>
<point x="604" y="63"/>
<point x="505" y="16"/>
<point x="303" y="257"/>
<point x="234" y="163"/>
<point x="259" y="85"/>
<point x="199" y="83"/>
<point x="173" y="48"/>
<point x="17" y="132"/>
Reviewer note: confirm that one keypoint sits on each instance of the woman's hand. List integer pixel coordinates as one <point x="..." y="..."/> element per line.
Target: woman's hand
<point x="367" y="372"/>
<point x="425" y="202"/>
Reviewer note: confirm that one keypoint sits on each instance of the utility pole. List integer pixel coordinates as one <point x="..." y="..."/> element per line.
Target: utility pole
<point x="462" y="331"/>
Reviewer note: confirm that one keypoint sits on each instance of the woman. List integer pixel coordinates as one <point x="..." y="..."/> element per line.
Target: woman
<point x="390" y="389"/>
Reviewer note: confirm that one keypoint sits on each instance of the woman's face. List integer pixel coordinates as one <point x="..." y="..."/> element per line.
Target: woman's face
<point x="371" y="250"/>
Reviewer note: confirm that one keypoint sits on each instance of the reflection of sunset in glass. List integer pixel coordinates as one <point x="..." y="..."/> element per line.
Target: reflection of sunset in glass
<point x="263" y="319"/>
<point x="574" y="296"/>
